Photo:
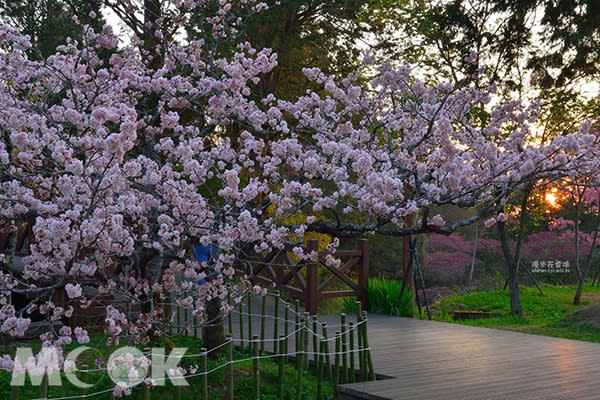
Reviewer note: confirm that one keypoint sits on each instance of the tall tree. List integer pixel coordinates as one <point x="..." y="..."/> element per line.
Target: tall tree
<point x="50" y="22"/>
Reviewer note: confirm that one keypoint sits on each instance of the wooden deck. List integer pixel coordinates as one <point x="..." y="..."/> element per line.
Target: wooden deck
<point x="430" y="360"/>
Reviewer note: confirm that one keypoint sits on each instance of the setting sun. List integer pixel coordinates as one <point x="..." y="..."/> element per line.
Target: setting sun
<point x="552" y="198"/>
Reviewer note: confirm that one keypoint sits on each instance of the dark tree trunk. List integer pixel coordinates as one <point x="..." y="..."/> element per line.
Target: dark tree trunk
<point x="588" y="263"/>
<point x="214" y="331"/>
<point x="513" y="273"/>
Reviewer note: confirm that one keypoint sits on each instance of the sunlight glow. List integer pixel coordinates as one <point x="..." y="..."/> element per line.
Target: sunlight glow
<point x="551" y="198"/>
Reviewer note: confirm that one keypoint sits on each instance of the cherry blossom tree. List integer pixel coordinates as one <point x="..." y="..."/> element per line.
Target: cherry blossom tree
<point x="117" y="154"/>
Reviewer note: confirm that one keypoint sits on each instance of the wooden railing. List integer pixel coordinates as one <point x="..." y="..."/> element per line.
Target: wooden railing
<point x="278" y="270"/>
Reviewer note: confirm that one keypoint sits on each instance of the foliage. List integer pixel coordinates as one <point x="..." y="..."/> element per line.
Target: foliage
<point x="384" y="298"/>
<point x="521" y="44"/>
<point x="50" y="22"/>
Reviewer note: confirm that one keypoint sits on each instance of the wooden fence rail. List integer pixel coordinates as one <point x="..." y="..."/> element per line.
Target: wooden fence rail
<point x="278" y="270"/>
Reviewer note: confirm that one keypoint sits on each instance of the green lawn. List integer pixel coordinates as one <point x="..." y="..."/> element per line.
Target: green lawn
<point x="244" y="382"/>
<point x="550" y="315"/>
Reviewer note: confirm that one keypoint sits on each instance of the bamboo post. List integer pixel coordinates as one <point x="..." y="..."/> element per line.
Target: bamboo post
<point x="282" y="357"/>
<point x="177" y="395"/>
<point x="361" y="354"/>
<point x="44" y="387"/>
<point x="300" y="365"/>
<point x="286" y="329"/>
<point x="320" y="363"/>
<point x="352" y="371"/>
<point x="297" y="305"/>
<point x="241" y="323"/>
<point x="177" y="317"/>
<point x="250" y="334"/>
<point x="299" y="344"/>
<point x="189" y="319"/>
<point x="344" y="349"/>
<point x="361" y="364"/>
<point x="263" y="313"/>
<point x="84" y="375"/>
<point x="14" y="393"/>
<point x="229" y="367"/>
<point x="172" y="319"/>
<point x="336" y="370"/>
<point x="311" y="294"/>
<point x="366" y="343"/>
<point x="276" y="321"/>
<point x="230" y="315"/>
<point x="204" y="371"/>
<point x="363" y="272"/>
<point x="327" y="355"/>
<point x="145" y="392"/>
<point x="256" y="367"/>
<point x="305" y="337"/>
<point x="315" y="338"/>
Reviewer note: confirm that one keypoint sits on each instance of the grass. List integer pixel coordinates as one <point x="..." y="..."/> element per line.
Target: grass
<point x="549" y="315"/>
<point x="384" y="295"/>
<point x="243" y="389"/>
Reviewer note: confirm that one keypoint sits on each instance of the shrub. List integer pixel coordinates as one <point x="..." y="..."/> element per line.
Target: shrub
<point x="384" y="298"/>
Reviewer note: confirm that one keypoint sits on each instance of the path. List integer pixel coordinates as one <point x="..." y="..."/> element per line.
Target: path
<point x="429" y="360"/>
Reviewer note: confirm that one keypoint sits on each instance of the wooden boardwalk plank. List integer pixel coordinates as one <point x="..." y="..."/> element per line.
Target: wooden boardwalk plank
<point x="434" y="360"/>
<point x="430" y="360"/>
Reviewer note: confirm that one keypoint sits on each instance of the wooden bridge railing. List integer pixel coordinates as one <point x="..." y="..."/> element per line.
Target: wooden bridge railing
<point x="278" y="270"/>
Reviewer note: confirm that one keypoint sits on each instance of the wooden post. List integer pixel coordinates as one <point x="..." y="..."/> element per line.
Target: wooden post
<point x="321" y="359"/>
<point x="336" y="369"/>
<point x="311" y="295"/>
<point x="263" y="317"/>
<point x="282" y="357"/>
<point x="229" y="367"/>
<point x="344" y="349"/>
<point x="352" y="371"/>
<point x="256" y="367"/>
<point x="276" y="321"/>
<point x="363" y="273"/>
<point x="366" y="343"/>
<point x="204" y="371"/>
<point x="327" y="355"/>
